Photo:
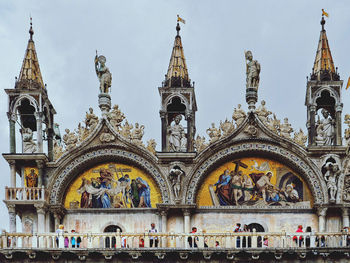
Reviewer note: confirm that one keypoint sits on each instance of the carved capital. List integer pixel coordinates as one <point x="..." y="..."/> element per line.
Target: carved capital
<point x="163" y="213"/>
<point x="186" y="212"/>
<point x="339" y="107"/>
<point x="162" y="114"/>
<point x="313" y="108"/>
<point x="12" y="116"/>
<point x="12" y="162"/>
<point x="38" y="115"/>
<point x="345" y="211"/>
<point x="40" y="164"/>
<point x="40" y="208"/>
<point x="11" y="208"/>
<point x="321" y="211"/>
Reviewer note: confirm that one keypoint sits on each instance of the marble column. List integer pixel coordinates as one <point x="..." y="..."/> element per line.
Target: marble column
<point x="338" y="120"/>
<point x="12" y="217"/>
<point x="57" y="220"/>
<point x="12" y="124"/>
<point x="164" y="130"/>
<point x="345" y="214"/>
<point x="164" y="221"/>
<point x="39" y="130"/>
<point x="40" y="165"/>
<point x="13" y="173"/>
<point x="321" y="212"/>
<point x="187" y="220"/>
<point x="40" y="209"/>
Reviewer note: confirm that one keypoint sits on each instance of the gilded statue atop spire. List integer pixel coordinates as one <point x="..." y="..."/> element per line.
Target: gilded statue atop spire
<point x="103" y="74"/>
<point x="253" y="70"/>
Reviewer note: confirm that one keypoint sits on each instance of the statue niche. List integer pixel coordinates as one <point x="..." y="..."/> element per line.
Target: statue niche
<point x="177" y="140"/>
<point x="325" y="129"/>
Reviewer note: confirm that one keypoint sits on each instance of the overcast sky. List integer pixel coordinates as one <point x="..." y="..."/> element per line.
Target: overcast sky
<point x="137" y="39"/>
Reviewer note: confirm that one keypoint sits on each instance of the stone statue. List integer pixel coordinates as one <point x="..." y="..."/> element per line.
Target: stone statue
<point x="57" y="150"/>
<point x="106" y="136"/>
<point x="175" y="176"/>
<point x="103" y="74"/>
<point x="126" y="130"/>
<point x="151" y="146"/>
<point x="300" y="138"/>
<point x="263" y="113"/>
<point x="347" y="133"/>
<point x="238" y="115"/>
<point x="29" y="146"/>
<point x="116" y="117"/>
<point x="346" y="188"/>
<point x="199" y="143"/>
<point x="331" y="178"/>
<point x="274" y="124"/>
<point x="91" y="120"/>
<point x="286" y="128"/>
<point x="70" y="139"/>
<point x="177" y="140"/>
<point x="137" y="134"/>
<point x="325" y="130"/>
<point x="57" y="133"/>
<point x="253" y="70"/>
<point x="82" y="132"/>
<point x="214" y="133"/>
<point x="227" y="127"/>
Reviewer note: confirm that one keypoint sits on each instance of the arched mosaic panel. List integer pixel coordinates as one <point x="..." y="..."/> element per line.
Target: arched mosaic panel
<point x="254" y="181"/>
<point x="112" y="185"/>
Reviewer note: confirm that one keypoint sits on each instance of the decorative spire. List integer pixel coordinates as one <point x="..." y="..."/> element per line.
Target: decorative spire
<point x="30" y="71"/>
<point x="324" y="69"/>
<point x="177" y="75"/>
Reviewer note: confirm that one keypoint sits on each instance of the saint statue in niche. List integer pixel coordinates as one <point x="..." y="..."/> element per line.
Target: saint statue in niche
<point x="325" y="130"/>
<point x="176" y="136"/>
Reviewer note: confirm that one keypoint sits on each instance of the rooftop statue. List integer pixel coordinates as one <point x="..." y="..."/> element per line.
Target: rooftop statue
<point x="137" y="134"/>
<point x="325" y="131"/>
<point x="151" y="146"/>
<point x="214" y="133"/>
<point x="91" y="120"/>
<point x="227" y="127"/>
<point x="29" y="146"/>
<point x="286" y="128"/>
<point x="116" y="117"/>
<point x="300" y="138"/>
<point x="238" y="115"/>
<point x="103" y="74"/>
<point x="253" y="70"/>
<point x="263" y="113"/>
<point x="199" y="143"/>
<point x="177" y="138"/>
<point x="70" y="139"/>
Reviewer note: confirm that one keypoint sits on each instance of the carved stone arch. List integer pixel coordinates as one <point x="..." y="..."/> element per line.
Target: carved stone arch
<point x="331" y="93"/>
<point x="109" y="223"/>
<point x="64" y="177"/>
<point x="307" y="169"/>
<point x="182" y="98"/>
<point x="18" y="101"/>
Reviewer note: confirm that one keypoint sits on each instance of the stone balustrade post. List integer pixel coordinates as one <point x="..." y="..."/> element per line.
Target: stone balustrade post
<point x="147" y="239"/>
<point x="172" y="239"/>
<point x="60" y="240"/>
<point x="35" y="240"/>
<point x="118" y="239"/>
<point x="228" y="239"/>
<point x="200" y="242"/>
<point x="321" y="212"/>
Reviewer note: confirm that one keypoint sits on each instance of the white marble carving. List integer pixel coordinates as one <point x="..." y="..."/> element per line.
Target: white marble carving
<point x="263" y="113"/>
<point x="227" y="127"/>
<point x="70" y="139"/>
<point x="137" y="134"/>
<point x="29" y="146"/>
<point x="286" y="128"/>
<point x="331" y="178"/>
<point x="176" y="136"/>
<point x="214" y="133"/>
<point x="199" y="143"/>
<point x="325" y="130"/>
<point x="238" y="115"/>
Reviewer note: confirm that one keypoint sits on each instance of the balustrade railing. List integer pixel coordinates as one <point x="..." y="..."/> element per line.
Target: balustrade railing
<point x="25" y="194"/>
<point x="228" y="240"/>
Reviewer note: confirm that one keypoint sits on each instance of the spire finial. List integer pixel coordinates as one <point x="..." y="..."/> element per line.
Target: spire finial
<point x="323" y="21"/>
<point x="178" y="29"/>
<point x="31" y="31"/>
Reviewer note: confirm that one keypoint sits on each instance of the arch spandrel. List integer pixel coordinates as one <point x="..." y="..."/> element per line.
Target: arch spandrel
<point x="64" y="177"/>
<point x="112" y="185"/>
<point x="301" y="166"/>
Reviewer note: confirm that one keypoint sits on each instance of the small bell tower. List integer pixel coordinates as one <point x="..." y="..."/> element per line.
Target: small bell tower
<point x="30" y="107"/>
<point x="178" y="102"/>
<point x="323" y="97"/>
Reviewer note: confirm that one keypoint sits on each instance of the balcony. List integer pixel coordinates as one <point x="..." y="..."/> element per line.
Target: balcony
<point x="25" y="194"/>
<point x="225" y="245"/>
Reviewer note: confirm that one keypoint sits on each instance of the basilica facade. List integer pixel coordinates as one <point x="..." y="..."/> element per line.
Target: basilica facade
<point x="92" y="194"/>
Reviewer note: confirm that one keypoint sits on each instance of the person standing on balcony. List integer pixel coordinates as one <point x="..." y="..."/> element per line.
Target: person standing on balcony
<point x="237" y="230"/>
<point x="299" y="230"/>
<point x="153" y="239"/>
<point x="192" y="241"/>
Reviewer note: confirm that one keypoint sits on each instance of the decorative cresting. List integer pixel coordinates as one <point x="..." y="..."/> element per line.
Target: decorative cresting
<point x="64" y="177"/>
<point x="307" y="170"/>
